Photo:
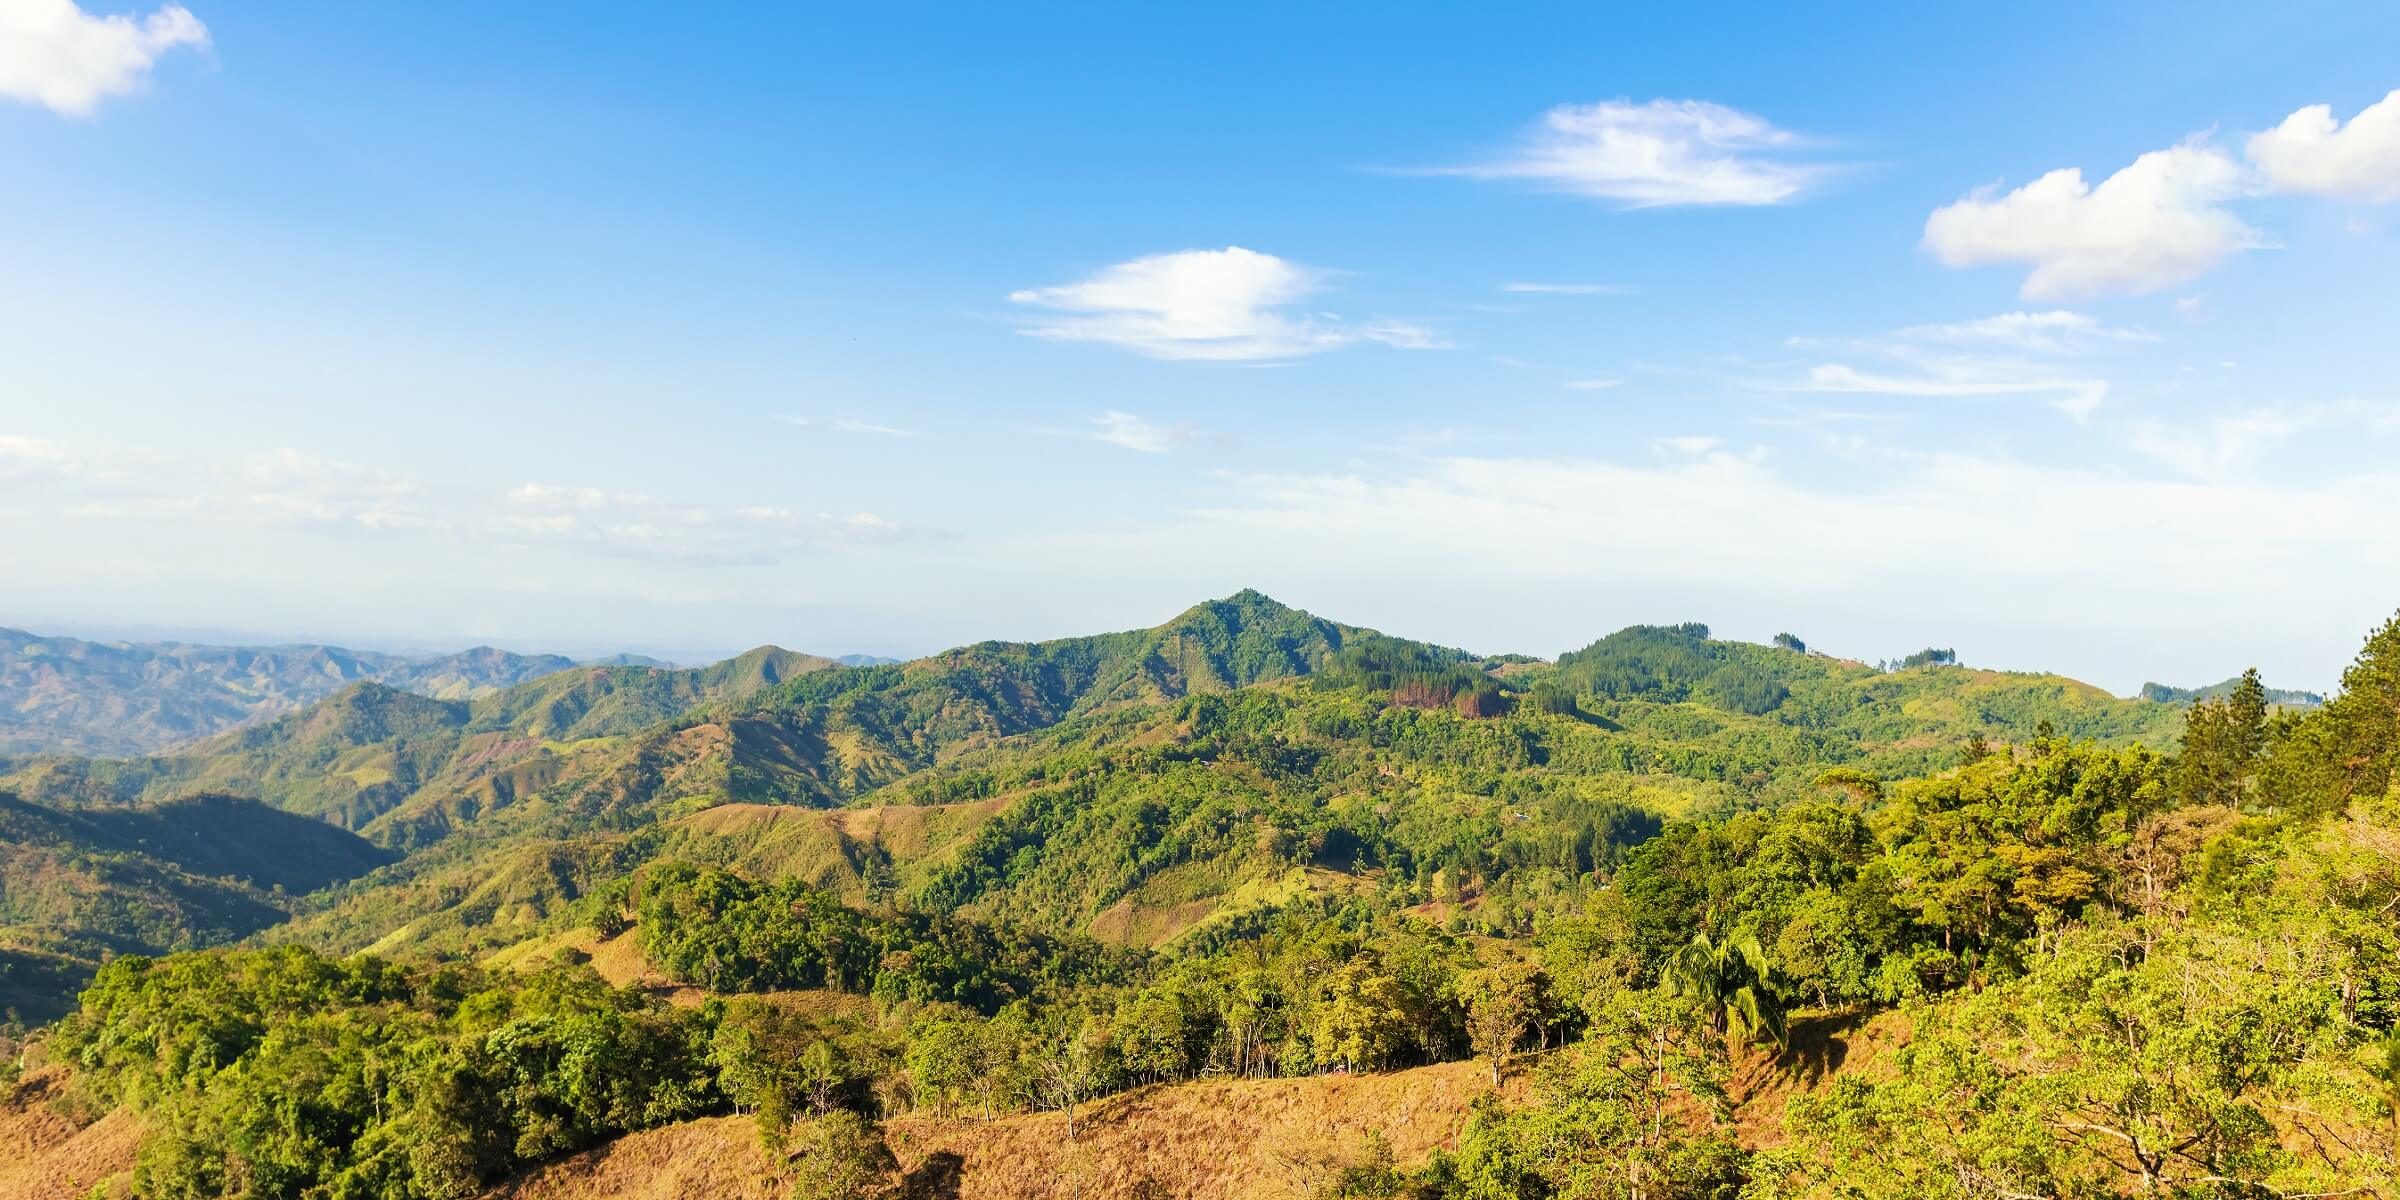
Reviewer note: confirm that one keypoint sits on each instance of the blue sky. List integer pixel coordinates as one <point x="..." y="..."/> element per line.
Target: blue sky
<point x="883" y="330"/>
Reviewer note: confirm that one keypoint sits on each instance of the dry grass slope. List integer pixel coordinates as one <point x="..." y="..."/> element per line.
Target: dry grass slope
<point x="48" y="1154"/>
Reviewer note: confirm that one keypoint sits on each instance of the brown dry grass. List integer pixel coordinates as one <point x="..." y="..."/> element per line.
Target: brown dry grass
<point x="715" y="1157"/>
<point x="1227" y="1139"/>
<point x="1820" y="1044"/>
<point x="46" y="1153"/>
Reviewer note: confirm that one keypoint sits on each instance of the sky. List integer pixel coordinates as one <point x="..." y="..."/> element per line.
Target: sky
<point x="2066" y="335"/>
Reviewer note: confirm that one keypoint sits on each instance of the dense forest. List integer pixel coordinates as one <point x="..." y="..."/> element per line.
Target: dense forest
<point x="2105" y="947"/>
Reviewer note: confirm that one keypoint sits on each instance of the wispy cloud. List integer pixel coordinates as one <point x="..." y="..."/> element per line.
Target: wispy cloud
<point x="2077" y="398"/>
<point x="1133" y="433"/>
<point x="1229" y="305"/>
<point x="1568" y="289"/>
<point x="1656" y="154"/>
<point x="291" y="490"/>
<point x="1592" y="385"/>
<point x="847" y="425"/>
<point x="2008" y="354"/>
<point x="54" y="54"/>
<point x="2056" y="331"/>
<point x="2228" y="447"/>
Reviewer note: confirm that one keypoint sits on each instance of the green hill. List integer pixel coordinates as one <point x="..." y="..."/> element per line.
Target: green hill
<point x="80" y="884"/>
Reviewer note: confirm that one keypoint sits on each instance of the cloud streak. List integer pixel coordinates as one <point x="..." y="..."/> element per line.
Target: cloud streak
<point x="1658" y="154"/>
<point x="292" y="491"/>
<point x="1229" y="305"/>
<point x="1126" y="430"/>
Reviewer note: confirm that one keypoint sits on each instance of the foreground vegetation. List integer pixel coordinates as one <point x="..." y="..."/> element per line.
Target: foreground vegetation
<point x="1624" y="885"/>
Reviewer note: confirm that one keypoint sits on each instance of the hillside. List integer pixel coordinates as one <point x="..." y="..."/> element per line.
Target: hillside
<point x="373" y="748"/>
<point x="67" y="695"/>
<point x="1067" y="752"/>
<point x="78" y="885"/>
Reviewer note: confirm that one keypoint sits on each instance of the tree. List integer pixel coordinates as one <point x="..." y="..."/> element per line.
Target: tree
<point x="1733" y="983"/>
<point x="2221" y="743"/>
<point x="2350" y="748"/>
<point x="821" y="1076"/>
<point x="1360" y="1018"/>
<point x="842" y="1156"/>
<point x="1073" y="1065"/>
<point x="1151" y="1035"/>
<point x="944" y="1058"/>
<point x="1501" y="1006"/>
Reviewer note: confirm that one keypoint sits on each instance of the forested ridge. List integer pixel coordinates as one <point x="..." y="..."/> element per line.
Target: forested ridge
<point x="2101" y="947"/>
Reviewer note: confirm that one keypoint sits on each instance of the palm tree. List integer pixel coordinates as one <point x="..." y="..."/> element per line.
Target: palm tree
<point x="1734" y="983"/>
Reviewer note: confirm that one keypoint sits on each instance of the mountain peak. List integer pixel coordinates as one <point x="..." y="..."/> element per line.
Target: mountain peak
<point x="1244" y="607"/>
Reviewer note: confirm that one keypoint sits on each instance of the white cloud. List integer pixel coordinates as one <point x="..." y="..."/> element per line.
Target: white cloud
<point x="54" y="54"/>
<point x="1134" y="433"/>
<point x="2056" y="331"/>
<point x="1403" y="335"/>
<point x="2075" y="397"/>
<point x="1664" y="152"/>
<point x="1592" y="385"/>
<point x="1568" y="289"/>
<point x="2313" y="152"/>
<point x="1206" y="305"/>
<point x="2156" y="223"/>
<point x="1689" y="444"/>
<point x="2005" y="354"/>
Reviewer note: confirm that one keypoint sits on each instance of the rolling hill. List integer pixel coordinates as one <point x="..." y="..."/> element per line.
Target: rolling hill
<point x="80" y="884"/>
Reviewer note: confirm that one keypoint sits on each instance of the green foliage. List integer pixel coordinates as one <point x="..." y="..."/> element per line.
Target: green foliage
<point x="2348" y="749"/>
<point x="80" y="884"/>
<point x="2222" y="740"/>
<point x="841" y="1156"/>
<point x="280" y="1072"/>
<point x="725" y="933"/>
<point x="1733" y="984"/>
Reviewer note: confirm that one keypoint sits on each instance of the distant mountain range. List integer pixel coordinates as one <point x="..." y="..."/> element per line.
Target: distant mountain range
<point x="63" y="694"/>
